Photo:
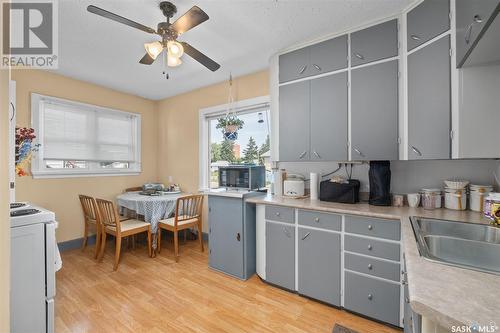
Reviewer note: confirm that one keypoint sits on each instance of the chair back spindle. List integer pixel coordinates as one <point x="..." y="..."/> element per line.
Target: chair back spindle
<point x="109" y="214"/>
<point x="188" y="207"/>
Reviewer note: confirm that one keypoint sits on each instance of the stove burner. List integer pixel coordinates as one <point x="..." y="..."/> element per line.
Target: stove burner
<point x="22" y="212"/>
<point x="17" y="205"/>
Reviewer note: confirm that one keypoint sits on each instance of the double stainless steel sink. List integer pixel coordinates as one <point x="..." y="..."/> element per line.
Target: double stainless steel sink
<point x="467" y="245"/>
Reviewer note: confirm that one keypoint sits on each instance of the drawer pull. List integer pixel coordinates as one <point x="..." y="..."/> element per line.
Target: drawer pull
<point x="370" y="266"/>
<point x="287" y="233"/>
<point x="370" y="247"/>
<point x="370" y="297"/>
<point x="359" y="56"/>
<point x="302" y="69"/>
<point x="415" y="37"/>
<point x="277" y="213"/>
<point x="407" y="300"/>
<point x="316" y="219"/>
<point x="317" y="67"/>
<point x="306" y="235"/>
<point x="301" y="156"/>
<point x="370" y="227"/>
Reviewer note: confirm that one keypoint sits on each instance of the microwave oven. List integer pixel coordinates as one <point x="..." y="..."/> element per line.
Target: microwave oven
<point x="248" y="177"/>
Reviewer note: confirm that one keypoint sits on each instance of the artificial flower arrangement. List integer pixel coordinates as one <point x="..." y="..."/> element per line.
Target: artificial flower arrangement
<point x="24" y="149"/>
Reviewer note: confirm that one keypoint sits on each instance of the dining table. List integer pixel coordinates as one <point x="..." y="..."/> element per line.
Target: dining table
<point x="153" y="207"/>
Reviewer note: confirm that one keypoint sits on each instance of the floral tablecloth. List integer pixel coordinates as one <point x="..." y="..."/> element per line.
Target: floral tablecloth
<point x="153" y="208"/>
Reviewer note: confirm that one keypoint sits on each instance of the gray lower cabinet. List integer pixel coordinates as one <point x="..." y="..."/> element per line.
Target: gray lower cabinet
<point x="429" y="101"/>
<point x="319" y="265"/>
<point x="231" y="238"/>
<point x="372" y="297"/>
<point x="374" y="43"/>
<point x="374" y="112"/>
<point x="329" y="118"/>
<point x="294" y="123"/>
<point x="280" y="255"/>
<point x="426" y="21"/>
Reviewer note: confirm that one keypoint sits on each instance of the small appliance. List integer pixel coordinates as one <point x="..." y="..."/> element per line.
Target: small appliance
<point x="248" y="177"/>
<point x="293" y="186"/>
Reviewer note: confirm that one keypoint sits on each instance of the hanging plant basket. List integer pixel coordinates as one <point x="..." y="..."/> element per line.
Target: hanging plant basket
<point x="229" y="127"/>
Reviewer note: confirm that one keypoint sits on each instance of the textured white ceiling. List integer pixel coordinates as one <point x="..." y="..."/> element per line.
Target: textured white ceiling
<point x="241" y="35"/>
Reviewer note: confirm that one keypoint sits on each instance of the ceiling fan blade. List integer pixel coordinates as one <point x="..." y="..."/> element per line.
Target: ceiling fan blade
<point x="120" y="19"/>
<point x="200" y="57"/>
<point x="146" y="60"/>
<point x="189" y="20"/>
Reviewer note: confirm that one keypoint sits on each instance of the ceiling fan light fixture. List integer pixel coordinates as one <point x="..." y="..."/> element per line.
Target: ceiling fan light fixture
<point x="175" y="49"/>
<point x="173" y="61"/>
<point x="153" y="49"/>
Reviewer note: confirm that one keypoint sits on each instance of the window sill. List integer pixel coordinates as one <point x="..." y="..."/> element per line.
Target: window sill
<point x="62" y="174"/>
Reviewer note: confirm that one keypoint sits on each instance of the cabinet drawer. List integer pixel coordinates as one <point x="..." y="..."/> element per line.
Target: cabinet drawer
<point x="280" y="214"/>
<point x="426" y="21"/>
<point x="373" y="227"/>
<point x="371" y="297"/>
<point x="320" y="220"/>
<point x="372" y="247"/>
<point x="372" y="266"/>
<point x="374" y="43"/>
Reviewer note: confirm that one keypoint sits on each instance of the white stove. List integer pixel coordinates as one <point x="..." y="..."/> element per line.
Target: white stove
<point x="24" y="213"/>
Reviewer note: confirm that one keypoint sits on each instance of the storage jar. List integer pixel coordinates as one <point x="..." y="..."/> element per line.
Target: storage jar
<point x="478" y="195"/>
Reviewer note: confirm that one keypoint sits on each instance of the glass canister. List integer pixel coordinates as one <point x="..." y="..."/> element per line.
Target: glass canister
<point x="478" y="195"/>
<point x="492" y="198"/>
<point x="431" y="198"/>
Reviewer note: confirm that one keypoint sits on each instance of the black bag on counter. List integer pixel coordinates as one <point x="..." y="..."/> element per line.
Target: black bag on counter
<point x="380" y="183"/>
<point x="337" y="192"/>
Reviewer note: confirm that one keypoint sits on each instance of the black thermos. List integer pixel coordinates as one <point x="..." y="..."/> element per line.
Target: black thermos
<point x="380" y="183"/>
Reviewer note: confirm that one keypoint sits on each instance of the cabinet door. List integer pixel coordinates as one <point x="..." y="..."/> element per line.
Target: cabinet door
<point x="426" y="21"/>
<point x="294" y="122"/>
<point x="225" y="218"/>
<point x="328" y="56"/>
<point x="280" y="255"/>
<point x="329" y="118"/>
<point x="293" y="65"/>
<point x="319" y="265"/>
<point x="374" y="43"/>
<point x="374" y="112"/>
<point x="429" y="109"/>
<point x="471" y="18"/>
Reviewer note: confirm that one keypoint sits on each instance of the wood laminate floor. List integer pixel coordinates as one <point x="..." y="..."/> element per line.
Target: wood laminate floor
<point x="159" y="295"/>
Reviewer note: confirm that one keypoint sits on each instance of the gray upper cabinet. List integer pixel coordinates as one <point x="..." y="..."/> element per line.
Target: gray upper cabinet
<point x="294" y="122"/>
<point x="429" y="105"/>
<point x="374" y="43"/>
<point x="293" y="65"/>
<point x="426" y="21"/>
<point x="472" y="18"/>
<point x="328" y="56"/>
<point x="323" y="57"/>
<point x="319" y="265"/>
<point x="280" y="255"/>
<point x="329" y="118"/>
<point x="374" y="112"/>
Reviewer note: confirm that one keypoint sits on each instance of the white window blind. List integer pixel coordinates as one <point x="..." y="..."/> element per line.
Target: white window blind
<point x="84" y="134"/>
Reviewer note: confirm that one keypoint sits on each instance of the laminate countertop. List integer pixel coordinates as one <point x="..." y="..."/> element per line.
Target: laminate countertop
<point x="447" y="295"/>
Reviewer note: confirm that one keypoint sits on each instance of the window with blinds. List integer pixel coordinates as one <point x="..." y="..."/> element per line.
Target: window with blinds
<point x="79" y="138"/>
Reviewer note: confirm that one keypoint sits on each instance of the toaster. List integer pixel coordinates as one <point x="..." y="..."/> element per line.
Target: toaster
<point x="293" y="186"/>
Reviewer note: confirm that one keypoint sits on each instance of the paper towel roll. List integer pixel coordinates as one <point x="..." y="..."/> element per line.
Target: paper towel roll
<point x="314" y="177"/>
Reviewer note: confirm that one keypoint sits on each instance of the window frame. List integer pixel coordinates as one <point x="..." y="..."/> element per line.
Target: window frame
<point x="38" y="168"/>
<point x="240" y="107"/>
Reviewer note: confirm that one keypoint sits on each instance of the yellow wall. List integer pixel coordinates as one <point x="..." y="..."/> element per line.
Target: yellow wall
<point x="61" y="195"/>
<point x="4" y="201"/>
<point x="178" y="123"/>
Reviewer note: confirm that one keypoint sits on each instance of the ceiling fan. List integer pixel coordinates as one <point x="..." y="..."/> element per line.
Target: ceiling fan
<point x="168" y="33"/>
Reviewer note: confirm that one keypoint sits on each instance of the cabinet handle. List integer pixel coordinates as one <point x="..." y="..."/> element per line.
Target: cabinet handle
<point x="414" y="37"/>
<point x="316" y="219"/>
<point x="370" y="266"/>
<point x="407" y="300"/>
<point x="277" y="213"/>
<point x="370" y="247"/>
<point x="306" y="235"/>
<point x="238" y="237"/>
<point x="468" y="32"/>
<point x="359" y="56"/>
<point x="359" y="152"/>
<point x="317" y="67"/>
<point x="13" y="111"/>
<point x="287" y="233"/>
<point x="370" y="227"/>
<point x="302" y="69"/>
<point x="316" y="154"/>
<point x="301" y="156"/>
<point x="370" y="297"/>
<point x="416" y="151"/>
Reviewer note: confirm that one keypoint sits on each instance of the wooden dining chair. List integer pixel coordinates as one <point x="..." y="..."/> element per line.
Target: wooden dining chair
<point x="133" y="189"/>
<point x="91" y="218"/>
<point x="188" y="210"/>
<point x="111" y="224"/>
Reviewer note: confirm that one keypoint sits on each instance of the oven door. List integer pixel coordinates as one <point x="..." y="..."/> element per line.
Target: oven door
<point x="234" y="177"/>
